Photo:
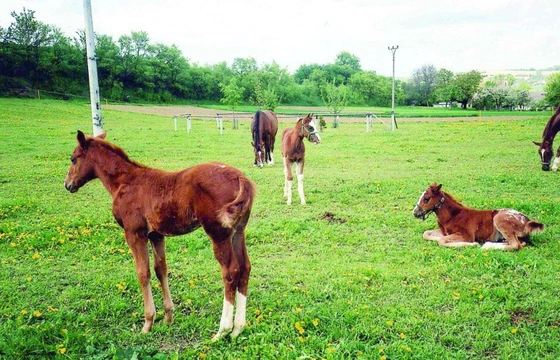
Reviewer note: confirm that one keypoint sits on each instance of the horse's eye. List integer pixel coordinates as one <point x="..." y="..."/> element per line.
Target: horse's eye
<point x="311" y="128"/>
<point x="426" y="200"/>
<point x="72" y="159"/>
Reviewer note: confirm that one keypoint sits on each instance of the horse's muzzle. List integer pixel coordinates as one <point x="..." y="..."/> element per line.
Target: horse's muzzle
<point x="546" y="167"/>
<point x="71" y="187"/>
<point x="419" y="213"/>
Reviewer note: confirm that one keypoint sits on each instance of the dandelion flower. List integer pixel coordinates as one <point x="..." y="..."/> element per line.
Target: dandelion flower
<point x="24" y="312"/>
<point x="37" y="313"/>
<point x="514" y="331"/>
<point x="299" y="327"/>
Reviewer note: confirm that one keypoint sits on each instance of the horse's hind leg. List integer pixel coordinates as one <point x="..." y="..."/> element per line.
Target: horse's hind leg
<point x="160" y="267"/>
<point x="509" y="226"/>
<point x="240" y="252"/>
<point x="299" y="173"/>
<point x="223" y="252"/>
<point x="139" y="248"/>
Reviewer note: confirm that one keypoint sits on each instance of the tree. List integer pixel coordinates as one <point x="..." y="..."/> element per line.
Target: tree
<point x="423" y="83"/>
<point x="232" y="94"/>
<point x="467" y="85"/>
<point x="346" y="59"/>
<point x="28" y="37"/>
<point x="552" y="90"/>
<point x="335" y="97"/>
<point x="446" y="90"/>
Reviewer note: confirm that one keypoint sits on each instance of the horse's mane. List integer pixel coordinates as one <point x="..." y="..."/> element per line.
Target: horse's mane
<point x="550" y="122"/>
<point x="256" y="139"/>
<point x="116" y="150"/>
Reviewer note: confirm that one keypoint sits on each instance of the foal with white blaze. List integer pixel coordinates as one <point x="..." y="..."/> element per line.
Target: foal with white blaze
<point x="293" y="151"/>
<point x="463" y="226"/>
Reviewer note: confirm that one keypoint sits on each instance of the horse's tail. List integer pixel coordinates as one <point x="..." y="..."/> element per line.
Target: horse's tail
<point x="533" y="227"/>
<point x="256" y="131"/>
<point x="231" y="212"/>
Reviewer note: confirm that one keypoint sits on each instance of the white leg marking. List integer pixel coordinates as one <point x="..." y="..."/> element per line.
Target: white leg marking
<point x="300" y="188"/>
<point x="299" y="172"/>
<point x="226" y="323"/>
<point x="556" y="163"/>
<point x="289" y="192"/>
<point x="239" y="322"/>
<point x="271" y="159"/>
<point x="493" y="246"/>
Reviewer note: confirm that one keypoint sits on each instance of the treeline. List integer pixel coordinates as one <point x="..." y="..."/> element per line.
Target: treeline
<point x="34" y="55"/>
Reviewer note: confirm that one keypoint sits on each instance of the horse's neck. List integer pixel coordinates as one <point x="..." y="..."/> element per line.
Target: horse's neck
<point x="552" y="128"/>
<point x="113" y="170"/>
<point x="449" y="208"/>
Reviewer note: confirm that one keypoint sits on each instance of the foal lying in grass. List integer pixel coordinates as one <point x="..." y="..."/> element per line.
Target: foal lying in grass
<point x="462" y="226"/>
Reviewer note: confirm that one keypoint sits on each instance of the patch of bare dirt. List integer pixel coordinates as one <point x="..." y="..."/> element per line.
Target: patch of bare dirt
<point x="210" y="114"/>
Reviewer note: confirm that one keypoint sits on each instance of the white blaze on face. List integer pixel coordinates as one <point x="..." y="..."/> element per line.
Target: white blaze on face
<point x="312" y="123"/>
<point x="419" y="199"/>
<point x="542" y="155"/>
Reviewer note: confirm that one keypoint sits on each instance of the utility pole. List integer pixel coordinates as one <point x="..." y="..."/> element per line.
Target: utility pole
<point x="94" y="95"/>
<point x="393" y="121"/>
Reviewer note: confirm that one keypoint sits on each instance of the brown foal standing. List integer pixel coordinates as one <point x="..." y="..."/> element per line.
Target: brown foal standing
<point x="293" y="152"/>
<point x="462" y="226"/>
<point x="150" y="204"/>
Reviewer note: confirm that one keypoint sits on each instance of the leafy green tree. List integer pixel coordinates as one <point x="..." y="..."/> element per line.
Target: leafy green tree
<point x="467" y="85"/>
<point x="346" y="59"/>
<point x="27" y="37"/>
<point x="552" y="90"/>
<point x="446" y="89"/>
<point x="423" y="84"/>
<point x="335" y="97"/>
<point x="232" y="94"/>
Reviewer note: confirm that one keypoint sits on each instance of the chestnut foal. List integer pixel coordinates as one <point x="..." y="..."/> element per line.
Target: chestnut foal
<point x="150" y="204"/>
<point x="462" y="226"/>
<point x="293" y="151"/>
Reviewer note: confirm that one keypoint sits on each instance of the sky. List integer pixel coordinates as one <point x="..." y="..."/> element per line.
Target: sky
<point x="456" y="35"/>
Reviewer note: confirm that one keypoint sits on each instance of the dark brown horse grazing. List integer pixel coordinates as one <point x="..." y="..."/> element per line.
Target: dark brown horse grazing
<point x="264" y="127"/>
<point x="462" y="226"/>
<point x="293" y="151"/>
<point x="545" y="146"/>
<point x="150" y="204"/>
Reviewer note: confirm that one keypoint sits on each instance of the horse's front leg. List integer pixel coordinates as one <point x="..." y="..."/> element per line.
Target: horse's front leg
<point x="433" y="235"/>
<point x="299" y="173"/>
<point x="288" y="178"/>
<point x="139" y="248"/>
<point x="556" y="161"/>
<point x="160" y="266"/>
<point x="457" y="240"/>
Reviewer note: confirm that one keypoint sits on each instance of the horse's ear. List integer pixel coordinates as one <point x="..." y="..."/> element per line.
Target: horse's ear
<point x="102" y="135"/>
<point x="82" y="140"/>
<point x="435" y="187"/>
<point x="537" y="143"/>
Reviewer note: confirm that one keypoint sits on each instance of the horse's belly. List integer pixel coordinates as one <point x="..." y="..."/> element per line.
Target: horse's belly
<point x="172" y="224"/>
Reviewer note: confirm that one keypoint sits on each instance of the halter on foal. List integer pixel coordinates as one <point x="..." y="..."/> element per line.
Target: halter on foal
<point x="293" y="151"/>
<point x="545" y="146"/>
<point x="462" y="226"/>
<point x="264" y="127"/>
<point x="150" y="204"/>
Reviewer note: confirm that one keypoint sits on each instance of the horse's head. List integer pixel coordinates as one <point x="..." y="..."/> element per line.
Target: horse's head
<point x="430" y="200"/>
<point x="545" y="153"/>
<point x="259" y="158"/>
<point x="309" y="129"/>
<point x="81" y="168"/>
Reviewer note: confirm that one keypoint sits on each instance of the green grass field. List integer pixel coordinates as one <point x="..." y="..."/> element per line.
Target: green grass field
<point x="348" y="276"/>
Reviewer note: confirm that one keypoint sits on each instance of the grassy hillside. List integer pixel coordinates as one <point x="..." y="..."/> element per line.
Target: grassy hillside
<point x="347" y="276"/>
